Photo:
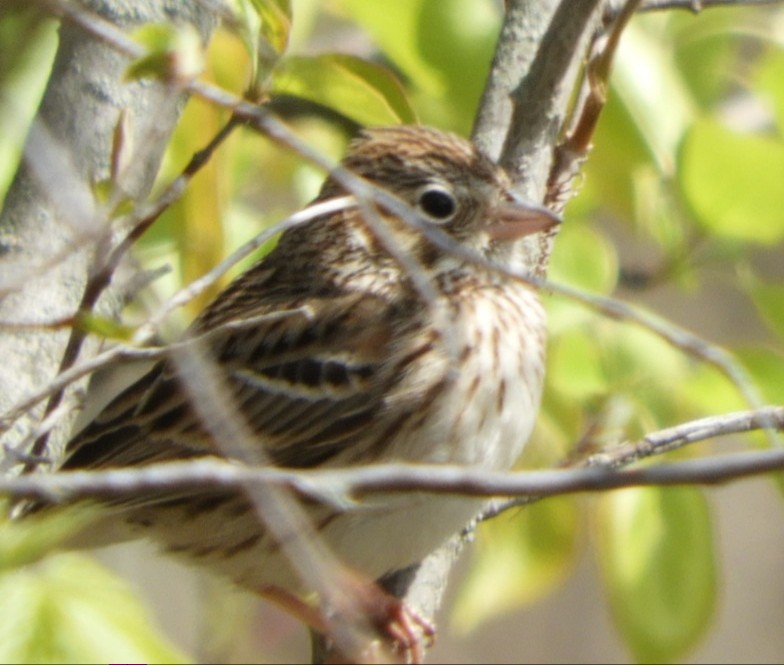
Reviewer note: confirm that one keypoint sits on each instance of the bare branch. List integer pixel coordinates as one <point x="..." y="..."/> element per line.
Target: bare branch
<point x="343" y="487"/>
<point x="518" y="89"/>
<point x="696" y="6"/>
<point x="146" y="332"/>
<point x="105" y="264"/>
<point x="678" y="436"/>
<point x="276" y="508"/>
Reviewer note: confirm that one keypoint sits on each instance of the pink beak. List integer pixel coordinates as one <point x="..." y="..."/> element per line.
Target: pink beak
<point x="518" y="217"/>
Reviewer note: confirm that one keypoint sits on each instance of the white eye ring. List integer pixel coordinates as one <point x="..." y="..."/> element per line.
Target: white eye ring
<point x="437" y="202"/>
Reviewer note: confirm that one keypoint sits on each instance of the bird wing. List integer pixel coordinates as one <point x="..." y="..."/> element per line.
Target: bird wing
<point x="307" y="379"/>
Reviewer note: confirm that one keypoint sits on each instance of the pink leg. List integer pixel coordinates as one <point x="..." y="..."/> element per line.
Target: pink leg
<point x="360" y="601"/>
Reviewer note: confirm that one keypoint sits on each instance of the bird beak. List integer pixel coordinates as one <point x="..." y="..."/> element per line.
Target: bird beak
<point x="517" y="217"/>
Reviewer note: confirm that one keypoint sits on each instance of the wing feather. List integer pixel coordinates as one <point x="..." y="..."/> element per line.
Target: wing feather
<point x="307" y="384"/>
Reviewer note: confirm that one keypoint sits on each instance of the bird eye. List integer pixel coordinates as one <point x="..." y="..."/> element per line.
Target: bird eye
<point x="437" y="202"/>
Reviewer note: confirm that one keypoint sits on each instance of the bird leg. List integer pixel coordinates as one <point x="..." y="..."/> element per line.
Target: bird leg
<point x="360" y="601"/>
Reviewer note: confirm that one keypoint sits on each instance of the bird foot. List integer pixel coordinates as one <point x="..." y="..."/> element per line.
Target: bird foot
<point x="398" y="632"/>
<point x="404" y="629"/>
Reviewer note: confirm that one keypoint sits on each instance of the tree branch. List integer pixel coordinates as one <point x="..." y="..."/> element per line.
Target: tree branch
<point x="343" y="487"/>
<point x="696" y="6"/>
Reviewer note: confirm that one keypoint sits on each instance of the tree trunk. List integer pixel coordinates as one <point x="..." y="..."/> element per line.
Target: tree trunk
<point x="51" y="224"/>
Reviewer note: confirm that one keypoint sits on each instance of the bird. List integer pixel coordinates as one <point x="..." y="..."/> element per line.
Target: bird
<point x="335" y="352"/>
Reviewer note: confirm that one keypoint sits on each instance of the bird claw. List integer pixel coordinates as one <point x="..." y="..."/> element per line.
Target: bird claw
<point x="406" y="629"/>
<point x="401" y="632"/>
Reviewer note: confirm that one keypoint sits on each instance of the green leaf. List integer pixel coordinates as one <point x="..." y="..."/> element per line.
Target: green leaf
<point x="275" y="22"/>
<point x="365" y="92"/>
<point x="395" y="27"/>
<point x="656" y="554"/>
<point x="648" y="111"/>
<point x="707" y="50"/>
<point x="766" y="367"/>
<point x="27" y="540"/>
<point x="444" y="47"/>
<point x="174" y="52"/>
<point x="769" y="79"/>
<point x="248" y="22"/>
<point x="594" y="269"/>
<point x="648" y="81"/>
<point x="707" y="390"/>
<point x="733" y="182"/>
<point x="619" y="153"/>
<point x="769" y="300"/>
<point x="104" y="327"/>
<point x="517" y="560"/>
<point x="28" y="43"/>
<point x="575" y="365"/>
<point x="265" y="29"/>
<point x="636" y="355"/>
<point x="70" y="609"/>
<point x="584" y="257"/>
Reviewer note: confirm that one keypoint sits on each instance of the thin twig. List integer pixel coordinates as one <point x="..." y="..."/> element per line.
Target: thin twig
<point x="696" y="6"/>
<point x="663" y="441"/>
<point x="106" y="262"/>
<point x="672" y="438"/>
<point x="342" y="487"/>
<point x="275" y="504"/>
<point x="592" y="97"/>
<point x="146" y="332"/>
<point x="198" y="286"/>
